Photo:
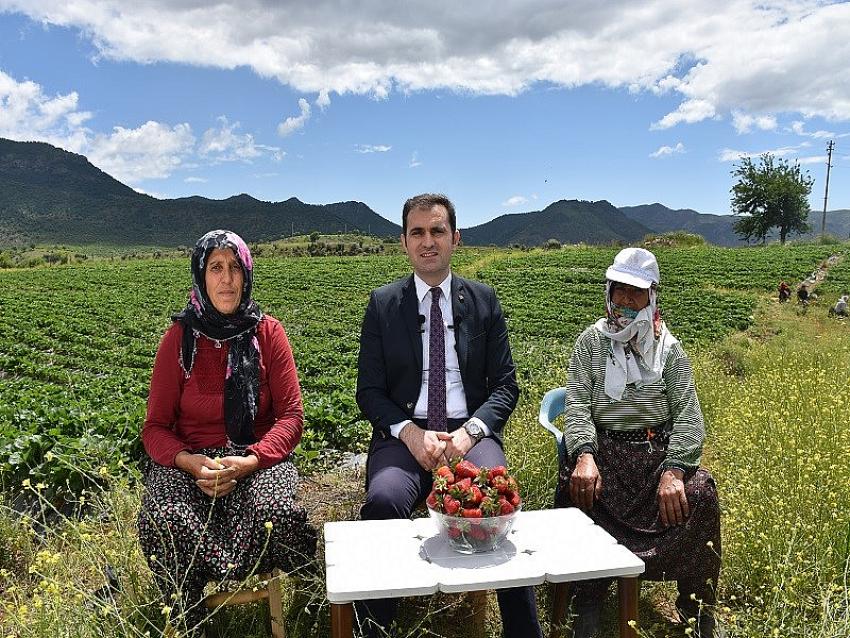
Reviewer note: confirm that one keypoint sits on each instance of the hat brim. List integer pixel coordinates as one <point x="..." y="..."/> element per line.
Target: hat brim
<point x="626" y="278"/>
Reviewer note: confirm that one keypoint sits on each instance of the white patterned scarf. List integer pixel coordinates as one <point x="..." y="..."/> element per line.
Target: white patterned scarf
<point x="638" y="350"/>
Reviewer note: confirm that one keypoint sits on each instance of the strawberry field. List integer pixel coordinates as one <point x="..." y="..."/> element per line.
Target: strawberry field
<point x="77" y="343"/>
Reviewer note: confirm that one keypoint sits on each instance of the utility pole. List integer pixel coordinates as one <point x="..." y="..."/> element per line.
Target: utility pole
<point x="829" y="149"/>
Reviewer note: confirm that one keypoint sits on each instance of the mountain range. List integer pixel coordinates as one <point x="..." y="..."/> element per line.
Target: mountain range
<point x="48" y="195"/>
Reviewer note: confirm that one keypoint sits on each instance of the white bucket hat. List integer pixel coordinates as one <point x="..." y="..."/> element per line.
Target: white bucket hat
<point x="635" y="267"/>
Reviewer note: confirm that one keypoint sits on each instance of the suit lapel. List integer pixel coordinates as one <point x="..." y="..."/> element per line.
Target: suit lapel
<point x="460" y="312"/>
<point x="409" y="306"/>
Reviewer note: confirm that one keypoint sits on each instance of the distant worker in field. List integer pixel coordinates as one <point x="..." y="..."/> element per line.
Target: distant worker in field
<point x="634" y="434"/>
<point x="224" y="415"/>
<point x="784" y="292"/>
<point x="840" y="307"/>
<point x="803" y="294"/>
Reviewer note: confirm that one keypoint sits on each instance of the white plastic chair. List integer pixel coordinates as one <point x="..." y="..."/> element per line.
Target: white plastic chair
<point x="551" y="407"/>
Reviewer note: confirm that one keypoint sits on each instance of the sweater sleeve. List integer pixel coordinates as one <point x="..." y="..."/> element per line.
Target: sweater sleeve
<point x="277" y="444"/>
<point x="685" y="447"/>
<point x="158" y="433"/>
<point x="579" y="430"/>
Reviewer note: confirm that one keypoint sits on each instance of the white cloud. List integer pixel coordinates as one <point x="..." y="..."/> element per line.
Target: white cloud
<point x="151" y="151"/>
<point x="663" y="151"/>
<point x="196" y="180"/>
<point x="799" y="128"/>
<point x="372" y="148"/>
<point x="731" y="155"/>
<point x="516" y="200"/>
<point x="324" y="100"/>
<point x="131" y="155"/>
<point x="226" y="144"/>
<point x="744" y="122"/>
<point x="292" y="124"/>
<point x="766" y="58"/>
<point x="689" y="111"/>
<point x="814" y="159"/>
<point x="414" y="160"/>
<point x="28" y="114"/>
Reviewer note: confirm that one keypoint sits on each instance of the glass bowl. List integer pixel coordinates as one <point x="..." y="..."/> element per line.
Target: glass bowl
<point x="473" y="535"/>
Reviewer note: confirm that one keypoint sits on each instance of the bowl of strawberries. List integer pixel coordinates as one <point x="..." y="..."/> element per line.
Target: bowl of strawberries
<point x="474" y="507"/>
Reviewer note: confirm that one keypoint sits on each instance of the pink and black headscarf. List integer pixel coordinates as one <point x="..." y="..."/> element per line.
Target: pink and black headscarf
<point x="200" y="317"/>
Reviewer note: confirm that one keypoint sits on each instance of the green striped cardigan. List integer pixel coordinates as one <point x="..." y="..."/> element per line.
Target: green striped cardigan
<point x="674" y="396"/>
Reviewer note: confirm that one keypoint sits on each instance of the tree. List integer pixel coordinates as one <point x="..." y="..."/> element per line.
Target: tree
<point x="772" y="194"/>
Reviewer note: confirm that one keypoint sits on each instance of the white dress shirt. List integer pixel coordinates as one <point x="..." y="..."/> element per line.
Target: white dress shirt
<point x="455" y="396"/>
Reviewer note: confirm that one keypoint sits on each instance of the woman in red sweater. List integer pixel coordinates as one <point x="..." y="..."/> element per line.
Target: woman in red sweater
<point x="224" y="414"/>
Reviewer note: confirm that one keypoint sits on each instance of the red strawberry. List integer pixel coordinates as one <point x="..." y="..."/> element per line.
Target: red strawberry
<point x="499" y="483"/>
<point x="454" y="532"/>
<point x="441" y="485"/>
<point x="515" y="500"/>
<point x="463" y="484"/>
<point x="444" y="472"/>
<point x="477" y="533"/>
<point x="466" y="469"/>
<point x="513" y="486"/>
<point x="460" y="490"/>
<point x="431" y="501"/>
<point x="499" y="470"/>
<point x="505" y="507"/>
<point x="474" y="496"/>
<point x="450" y="505"/>
<point x="471" y="512"/>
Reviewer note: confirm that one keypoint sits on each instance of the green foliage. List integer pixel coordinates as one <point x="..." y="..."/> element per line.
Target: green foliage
<point x="77" y="342"/>
<point x="678" y="238"/>
<point x="772" y="194"/>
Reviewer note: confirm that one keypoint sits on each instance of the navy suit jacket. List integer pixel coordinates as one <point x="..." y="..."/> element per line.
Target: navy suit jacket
<point x="389" y="367"/>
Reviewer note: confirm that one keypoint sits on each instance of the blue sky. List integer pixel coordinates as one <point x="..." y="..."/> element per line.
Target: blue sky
<point x="505" y="107"/>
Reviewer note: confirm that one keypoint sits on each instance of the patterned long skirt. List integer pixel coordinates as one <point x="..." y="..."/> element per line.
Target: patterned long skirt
<point x="190" y="539"/>
<point x="628" y="510"/>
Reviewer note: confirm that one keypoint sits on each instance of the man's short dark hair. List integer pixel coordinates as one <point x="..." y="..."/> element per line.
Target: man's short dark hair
<point x="427" y="201"/>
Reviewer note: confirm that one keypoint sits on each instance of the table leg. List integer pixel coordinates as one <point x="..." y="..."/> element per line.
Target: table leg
<point x="627" y="590"/>
<point x="560" y="600"/>
<point x="342" y="620"/>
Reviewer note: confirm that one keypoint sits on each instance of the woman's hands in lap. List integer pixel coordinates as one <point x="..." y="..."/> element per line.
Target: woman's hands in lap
<point x="672" y="502"/>
<point x="216" y="477"/>
<point x="585" y="482"/>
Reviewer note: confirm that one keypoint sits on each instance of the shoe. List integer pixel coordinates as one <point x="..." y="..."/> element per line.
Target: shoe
<point x="587" y="621"/>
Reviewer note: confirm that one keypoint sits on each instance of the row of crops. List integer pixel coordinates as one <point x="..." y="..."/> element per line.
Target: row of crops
<point x="77" y="342"/>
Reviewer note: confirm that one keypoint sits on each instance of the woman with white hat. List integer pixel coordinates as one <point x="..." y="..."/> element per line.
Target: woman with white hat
<point x="634" y="434"/>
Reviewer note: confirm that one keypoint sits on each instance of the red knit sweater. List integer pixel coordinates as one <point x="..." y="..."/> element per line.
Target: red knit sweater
<point x="188" y="414"/>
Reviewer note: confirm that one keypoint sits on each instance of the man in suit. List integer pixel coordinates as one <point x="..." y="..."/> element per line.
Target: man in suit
<point x="436" y="379"/>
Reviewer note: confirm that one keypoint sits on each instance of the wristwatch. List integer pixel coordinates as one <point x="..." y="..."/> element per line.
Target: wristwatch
<point x="473" y="430"/>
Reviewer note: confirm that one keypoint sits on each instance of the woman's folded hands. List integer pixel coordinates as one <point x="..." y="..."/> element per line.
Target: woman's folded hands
<point x="216" y="477"/>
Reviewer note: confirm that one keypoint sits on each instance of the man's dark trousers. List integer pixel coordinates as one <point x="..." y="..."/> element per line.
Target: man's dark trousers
<point x="397" y="484"/>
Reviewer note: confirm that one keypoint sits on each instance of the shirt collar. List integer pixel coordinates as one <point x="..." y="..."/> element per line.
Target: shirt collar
<point x="422" y="288"/>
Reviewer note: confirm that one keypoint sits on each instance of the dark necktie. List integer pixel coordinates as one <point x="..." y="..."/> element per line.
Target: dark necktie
<point x="436" y="366"/>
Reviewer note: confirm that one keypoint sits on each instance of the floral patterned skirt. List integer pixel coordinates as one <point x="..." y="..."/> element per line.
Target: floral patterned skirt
<point x="190" y="539"/>
<point x="628" y="510"/>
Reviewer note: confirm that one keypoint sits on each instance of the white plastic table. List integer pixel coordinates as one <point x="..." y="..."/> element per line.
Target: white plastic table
<point x="386" y="559"/>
